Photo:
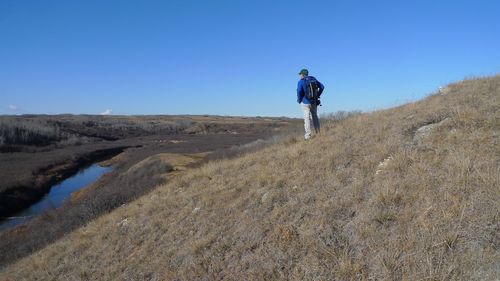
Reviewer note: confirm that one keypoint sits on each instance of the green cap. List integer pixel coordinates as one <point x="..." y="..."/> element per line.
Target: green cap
<point x="304" y="71"/>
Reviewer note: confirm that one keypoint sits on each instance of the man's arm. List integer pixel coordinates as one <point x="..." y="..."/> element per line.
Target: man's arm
<point x="300" y="92"/>
<point x="321" y="88"/>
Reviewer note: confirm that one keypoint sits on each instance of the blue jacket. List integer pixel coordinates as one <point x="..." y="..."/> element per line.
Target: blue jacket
<point x="301" y="90"/>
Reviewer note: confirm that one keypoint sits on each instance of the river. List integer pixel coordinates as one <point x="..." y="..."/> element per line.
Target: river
<point x="57" y="195"/>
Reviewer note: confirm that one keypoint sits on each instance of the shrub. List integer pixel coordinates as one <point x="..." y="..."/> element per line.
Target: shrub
<point x="340" y="115"/>
<point x="28" y="132"/>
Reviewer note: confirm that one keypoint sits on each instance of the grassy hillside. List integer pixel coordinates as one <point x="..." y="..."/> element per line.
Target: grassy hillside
<point x="409" y="193"/>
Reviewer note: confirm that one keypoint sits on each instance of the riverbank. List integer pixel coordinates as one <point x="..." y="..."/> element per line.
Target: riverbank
<point x="58" y="195"/>
<point x="148" y="161"/>
<point x="17" y="198"/>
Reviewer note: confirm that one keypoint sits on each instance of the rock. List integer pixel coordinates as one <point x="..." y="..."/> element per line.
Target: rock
<point x="383" y="164"/>
<point x="423" y="132"/>
<point x="268" y="197"/>
<point x="123" y="223"/>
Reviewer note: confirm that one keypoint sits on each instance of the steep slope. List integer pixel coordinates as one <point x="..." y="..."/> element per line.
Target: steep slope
<point x="407" y="193"/>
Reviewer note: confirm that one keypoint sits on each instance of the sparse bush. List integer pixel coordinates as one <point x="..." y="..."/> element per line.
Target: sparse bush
<point x="144" y="125"/>
<point x="27" y="132"/>
<point x="340" y="115"/>
<point x="41" y="131"/>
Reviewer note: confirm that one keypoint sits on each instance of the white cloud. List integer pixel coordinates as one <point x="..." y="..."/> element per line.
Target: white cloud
<point x="107" y="112"/>
<point x="12" y="109"/>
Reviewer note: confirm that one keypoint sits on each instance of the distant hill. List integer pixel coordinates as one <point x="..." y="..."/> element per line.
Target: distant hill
<point x="408" y="193"/>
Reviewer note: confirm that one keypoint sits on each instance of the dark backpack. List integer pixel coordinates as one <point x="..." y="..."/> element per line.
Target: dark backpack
<point x="312" y="88"/>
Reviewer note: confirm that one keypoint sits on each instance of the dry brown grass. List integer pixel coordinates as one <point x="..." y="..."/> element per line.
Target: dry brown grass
<point x="316" y="210"/>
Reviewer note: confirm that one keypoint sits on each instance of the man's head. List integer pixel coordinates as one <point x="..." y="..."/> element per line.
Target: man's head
<point x="303" y="73"/>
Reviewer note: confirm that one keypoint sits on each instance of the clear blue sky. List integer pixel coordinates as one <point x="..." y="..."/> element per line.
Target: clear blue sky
<point x="236" y="57"/>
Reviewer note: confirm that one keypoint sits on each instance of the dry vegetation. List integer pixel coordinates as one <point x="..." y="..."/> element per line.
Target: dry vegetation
<point x="366" y="200"/>
<point x="14" y="131"/>
<point x="28" y="171"/>
<point x="36" y="151"/>
<point x="27" y="132"/>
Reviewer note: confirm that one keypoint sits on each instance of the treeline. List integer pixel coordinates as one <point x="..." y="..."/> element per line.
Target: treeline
<point x="62" y="130"/>
<point x="75" y="130"/>
<point x="122" y="127"/>
<point x="15" y="132"/>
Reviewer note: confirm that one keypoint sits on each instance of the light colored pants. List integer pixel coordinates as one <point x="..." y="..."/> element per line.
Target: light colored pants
<point x="310" y="112"/>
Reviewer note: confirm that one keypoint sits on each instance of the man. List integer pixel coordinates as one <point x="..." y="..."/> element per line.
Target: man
<point x="309" y="101"/>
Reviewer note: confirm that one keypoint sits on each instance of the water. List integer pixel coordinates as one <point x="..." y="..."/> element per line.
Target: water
<point x="57" y="195"/>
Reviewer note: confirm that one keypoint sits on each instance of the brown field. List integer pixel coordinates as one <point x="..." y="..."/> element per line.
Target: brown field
<point x="408" y="193"/>
<point x="40" y="150"/>
<point x="40" y="141"/>
<point x="29" y="170"/>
